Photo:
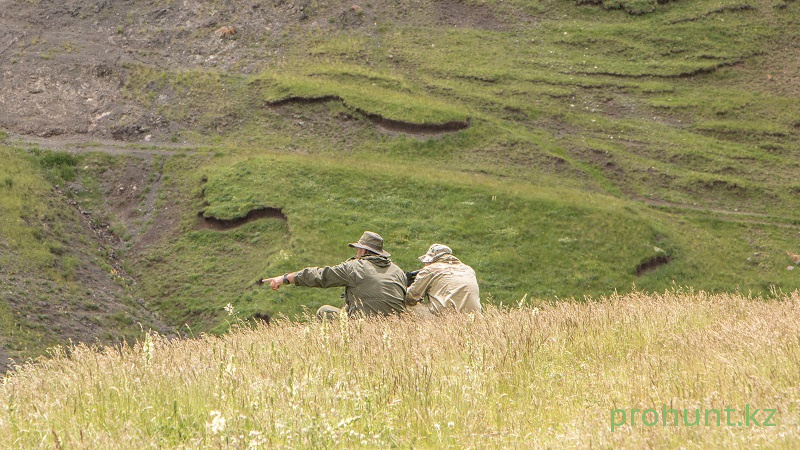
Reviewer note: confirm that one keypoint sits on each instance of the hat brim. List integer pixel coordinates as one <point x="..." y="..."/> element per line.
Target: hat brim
<point x="373" y="250"/>
<point x="426" y="259"/>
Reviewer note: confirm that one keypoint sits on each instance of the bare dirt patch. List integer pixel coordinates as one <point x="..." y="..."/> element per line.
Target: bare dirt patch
<point x="212" y="223"/>
<point x="64" y="64"/>
<point x="417" y="128"/>
<point x="383" y="122"/>
<point x="651" y="264"/>
<point x="129" y="187"/>
<point x="455" y="13"/>
<point x="131" y="190"/>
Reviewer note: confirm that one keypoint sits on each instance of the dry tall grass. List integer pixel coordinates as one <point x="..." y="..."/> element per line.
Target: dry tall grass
<point x="527" y="377"/>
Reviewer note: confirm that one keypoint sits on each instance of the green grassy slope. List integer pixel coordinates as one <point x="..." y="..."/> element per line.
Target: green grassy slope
<point x="599" y="140"/>
<point x="56" y="279"/>
<point x="521" y="240"/>
<point x="658" y="105"/>
<point x="610" y="144"/>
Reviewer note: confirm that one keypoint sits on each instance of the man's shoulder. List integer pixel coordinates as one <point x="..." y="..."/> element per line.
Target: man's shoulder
<point x="395" y="268"/>
<point x="466" y="268"/>
<point x="438" y="267"/>
<point x="430" y="269"/>
<point x="347" y="266"/>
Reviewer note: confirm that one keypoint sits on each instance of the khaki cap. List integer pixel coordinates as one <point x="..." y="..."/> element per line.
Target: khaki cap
<point x="435" y="252"/>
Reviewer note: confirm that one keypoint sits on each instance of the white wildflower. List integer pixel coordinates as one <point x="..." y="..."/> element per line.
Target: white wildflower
<point x="217" y="424"/>
<point x="346" y="422"/>
<point x="387" y="336"/>
<point x="230" y="369"/>
<point x="229" y="309"/>
<point x="148" y="348"/>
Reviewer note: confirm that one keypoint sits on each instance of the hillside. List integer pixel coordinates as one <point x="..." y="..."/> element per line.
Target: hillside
<point x="161" y="155"/>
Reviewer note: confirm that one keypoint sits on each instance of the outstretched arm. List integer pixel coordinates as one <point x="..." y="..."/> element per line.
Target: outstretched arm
<point x="328" y="276"/>
<point x="276" y="282"/>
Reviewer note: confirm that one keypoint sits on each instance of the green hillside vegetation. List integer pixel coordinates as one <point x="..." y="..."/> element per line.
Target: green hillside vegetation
<point x="520" y="240"/>
<point x="50" y="265"/>
<point x="599" y="146"/>
<point x="598" y="141"/>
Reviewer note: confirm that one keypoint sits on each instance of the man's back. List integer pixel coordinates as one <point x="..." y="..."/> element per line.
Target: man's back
<point x="380" y="287"/>
<point x="448" y="283"/>
<point x="374" y="285"/>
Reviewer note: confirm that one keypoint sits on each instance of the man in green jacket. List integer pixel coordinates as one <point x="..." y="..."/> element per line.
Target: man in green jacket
<point x="374" y="285"/>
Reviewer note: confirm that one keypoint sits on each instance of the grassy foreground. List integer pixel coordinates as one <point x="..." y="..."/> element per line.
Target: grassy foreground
<point x="532" y="377"/>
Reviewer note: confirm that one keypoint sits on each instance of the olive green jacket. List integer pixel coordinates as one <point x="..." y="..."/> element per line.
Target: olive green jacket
<point x="373" y="284"/>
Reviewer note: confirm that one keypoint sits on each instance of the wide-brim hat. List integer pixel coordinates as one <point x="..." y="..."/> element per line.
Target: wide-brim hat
<point x="435" y="252"/>
<point x="372" y="242"/>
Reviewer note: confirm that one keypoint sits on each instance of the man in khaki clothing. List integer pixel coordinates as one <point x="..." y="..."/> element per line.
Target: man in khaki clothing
<point x="446" y="281"/>
<point x="374" y="285"/>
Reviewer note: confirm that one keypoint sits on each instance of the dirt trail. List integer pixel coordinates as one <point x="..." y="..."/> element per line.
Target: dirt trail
<point x="80" y="144"/>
